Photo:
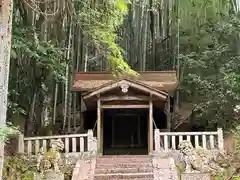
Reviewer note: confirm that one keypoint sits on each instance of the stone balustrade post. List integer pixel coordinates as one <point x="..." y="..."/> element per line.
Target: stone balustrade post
<point x="90" y="140"/>
<point x="21" y="143"/>
<point x="220" y="139"/>
<point x="157" y="140"/>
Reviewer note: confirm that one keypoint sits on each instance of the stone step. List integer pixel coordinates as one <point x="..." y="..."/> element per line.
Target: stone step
<point x="123" y="165"/>
<point x="124" y="156"/>
<point x="123" y="170"/>
<point x="122" y="160"/>
<point x="111" y="176"/>
<point x="127" y="178"/>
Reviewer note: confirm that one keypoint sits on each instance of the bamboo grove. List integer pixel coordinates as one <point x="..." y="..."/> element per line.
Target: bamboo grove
<point x="52" y="39"/>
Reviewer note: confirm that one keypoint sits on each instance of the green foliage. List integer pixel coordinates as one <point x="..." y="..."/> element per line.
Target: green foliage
<point x="35" y="66"/>
<point x="210" y="59"/>
<point x="7" y="131"/>
<point x="236" y="135"/>
<point x="180" y="167"/>
<point x="48" y="59"/>
<point x="100" y="22"/>
<point x="68" y="171"/>
<point x="225" y="175"/>
<point x="16" y="167"/>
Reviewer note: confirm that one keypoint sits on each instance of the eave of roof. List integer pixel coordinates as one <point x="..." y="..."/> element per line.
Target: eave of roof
<point x="161" y="80"/>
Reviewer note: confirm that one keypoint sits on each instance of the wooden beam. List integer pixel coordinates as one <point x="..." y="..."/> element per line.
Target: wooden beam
<point x="125" y="98"/>
<point x="159" y="94"/>
<point x="137" y="106"/>
<point x="150" y="128"/>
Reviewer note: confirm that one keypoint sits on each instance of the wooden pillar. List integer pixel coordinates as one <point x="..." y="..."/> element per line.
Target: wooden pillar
<point x="113" y="134"/>
<point x="99" y="124"/>
<point x="139" y="130"/>
<point x="168" y="113"/>
<point x="150" y="128"/>
<point x="101" y="114"/>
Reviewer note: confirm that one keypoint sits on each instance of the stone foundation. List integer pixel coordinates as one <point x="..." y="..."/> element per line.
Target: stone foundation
<point x="70" y="158"/>
<point x="195" y="176"/>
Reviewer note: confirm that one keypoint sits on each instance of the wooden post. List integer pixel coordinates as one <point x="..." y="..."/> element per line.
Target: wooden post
<point x="150" y="128"/>
<point x="220" y="139"/>
<point x="139" y="130"/>
<point x="113" y="131"/>
<point x="101" y="117"/>
<point x="99" y="133"/>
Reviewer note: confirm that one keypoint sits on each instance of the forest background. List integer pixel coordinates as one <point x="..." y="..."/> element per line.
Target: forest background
<point x="52" y="39"/>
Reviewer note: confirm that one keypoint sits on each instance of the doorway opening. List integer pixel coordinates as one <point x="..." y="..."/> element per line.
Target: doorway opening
<point x="125" y="131"/>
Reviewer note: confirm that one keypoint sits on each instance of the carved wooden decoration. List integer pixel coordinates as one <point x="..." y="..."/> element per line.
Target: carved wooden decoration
<point x="124" y="87"/>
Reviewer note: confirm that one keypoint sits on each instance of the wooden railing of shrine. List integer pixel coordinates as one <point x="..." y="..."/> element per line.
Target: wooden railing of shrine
<point x="166" y="141"/>
<point x="73" y="143"/>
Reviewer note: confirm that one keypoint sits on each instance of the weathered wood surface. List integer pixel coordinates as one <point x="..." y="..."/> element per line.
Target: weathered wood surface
<point x="99" y="125"/>
<point x="150" y="130"/>
<point x="126" y="98"/>
<point x="157" y="93"/>
<point x="130" y="106"/>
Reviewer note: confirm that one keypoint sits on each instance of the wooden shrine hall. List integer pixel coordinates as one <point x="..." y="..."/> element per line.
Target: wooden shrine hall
<point x="123" y="112"/>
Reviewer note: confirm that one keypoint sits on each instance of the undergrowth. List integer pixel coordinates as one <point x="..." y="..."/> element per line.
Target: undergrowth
<point x="22" y="168"/>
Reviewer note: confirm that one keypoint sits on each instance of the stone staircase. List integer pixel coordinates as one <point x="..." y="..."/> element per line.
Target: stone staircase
<point x="138" y="167"/>
<point x="123" y="168"/>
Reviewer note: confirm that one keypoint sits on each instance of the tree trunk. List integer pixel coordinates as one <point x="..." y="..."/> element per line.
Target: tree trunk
<point x="5" y="47"/>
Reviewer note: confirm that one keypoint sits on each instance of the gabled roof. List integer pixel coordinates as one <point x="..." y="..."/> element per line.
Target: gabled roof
<point x="126" y="83"/>
<point x="161" y="80"/>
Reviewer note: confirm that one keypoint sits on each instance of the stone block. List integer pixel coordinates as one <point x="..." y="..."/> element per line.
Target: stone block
<point x="49" y="175"/>
<point x="195" y="176"/>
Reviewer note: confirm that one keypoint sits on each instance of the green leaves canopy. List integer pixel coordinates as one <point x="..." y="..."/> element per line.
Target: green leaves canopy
<point x="210" y="57"/>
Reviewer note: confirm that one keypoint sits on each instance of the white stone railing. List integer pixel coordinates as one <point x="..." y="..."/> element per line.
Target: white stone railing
<point x="73" y="143"/>
<point x="165" y="141"/>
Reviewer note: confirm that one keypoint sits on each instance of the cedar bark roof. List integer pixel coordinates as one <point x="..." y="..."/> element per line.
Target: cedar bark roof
<point x="161" y="80"/>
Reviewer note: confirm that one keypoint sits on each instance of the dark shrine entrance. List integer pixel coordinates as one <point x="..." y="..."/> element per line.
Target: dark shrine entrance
<point x="125" y="131"/>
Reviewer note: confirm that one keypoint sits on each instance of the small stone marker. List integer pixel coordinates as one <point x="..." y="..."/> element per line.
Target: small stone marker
<point x="195" y="176"/>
